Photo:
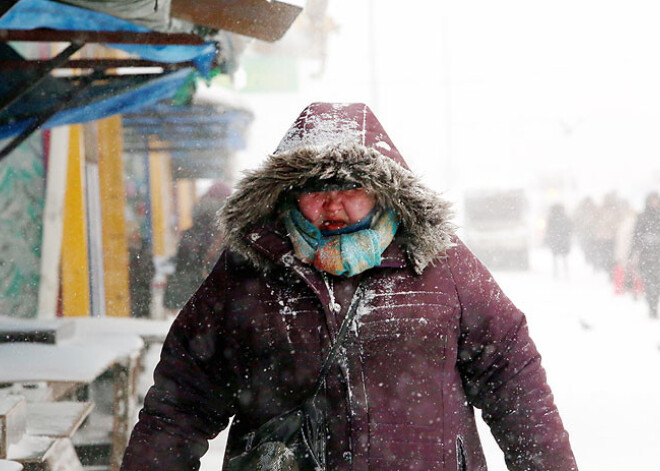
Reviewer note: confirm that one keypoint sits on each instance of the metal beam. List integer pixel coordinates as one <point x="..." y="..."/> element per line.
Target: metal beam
<point x="100" y="37"/>
<point x="23" y="88"/>
<point x="85" y="82"/>
<point x="6" y="5"/>
<point x="96" y="64"/>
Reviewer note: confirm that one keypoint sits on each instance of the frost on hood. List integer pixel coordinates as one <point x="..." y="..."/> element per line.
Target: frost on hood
<point x="322" y="129"/>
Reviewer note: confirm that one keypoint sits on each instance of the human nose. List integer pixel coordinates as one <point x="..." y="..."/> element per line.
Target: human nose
<point x="333" y="200"/>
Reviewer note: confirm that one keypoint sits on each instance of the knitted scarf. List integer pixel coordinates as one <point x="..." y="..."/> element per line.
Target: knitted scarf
<point x="341" y="252"/>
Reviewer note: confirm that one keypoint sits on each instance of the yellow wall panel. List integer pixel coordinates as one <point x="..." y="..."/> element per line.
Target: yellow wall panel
<point x="162" y="204"/>
<point x="185" y="200"/>
<point x="113" y="204"/>
<point x="75" y="270"/>
<point x="156" y="179"/>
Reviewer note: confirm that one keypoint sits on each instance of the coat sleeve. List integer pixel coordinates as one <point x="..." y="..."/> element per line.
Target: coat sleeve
<point x="502" y="373"/>
<point x="193" y="396"/>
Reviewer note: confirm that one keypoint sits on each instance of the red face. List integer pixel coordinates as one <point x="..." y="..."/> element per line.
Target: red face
<point x="333" y="210"/>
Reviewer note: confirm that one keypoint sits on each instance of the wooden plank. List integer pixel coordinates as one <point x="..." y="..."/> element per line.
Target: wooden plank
<point x="51" y="247"/>
<point x="94" y="233"/>
<point x="35" y="330"/>
<point x="262" y="19"/>
<point x="31" y="449"/>
<point x="124" y="405"/>
<point x="75" y="271"/>
<point x="56" y="419"/>
<point x="12" y="422"/>
<point x="69" y="362"/>
<point x="61" y="390"/>
<point x="113" y="213"/>
<point x="161" y="187"/>
<point x="46" y="454"/>
<point x="62" y="456"/>
<point x="185" y="200"/>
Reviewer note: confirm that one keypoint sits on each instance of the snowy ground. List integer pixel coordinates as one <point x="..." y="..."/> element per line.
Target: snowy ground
<point x="602" y="356"/>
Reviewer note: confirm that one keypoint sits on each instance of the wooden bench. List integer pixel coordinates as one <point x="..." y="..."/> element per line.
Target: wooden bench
<point x="100" y="362"/>
<point x="13" y="422"/>
<point x="39" y="434"/>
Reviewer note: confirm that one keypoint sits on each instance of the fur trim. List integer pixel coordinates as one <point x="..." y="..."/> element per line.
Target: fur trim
<point x="425" y="230"/>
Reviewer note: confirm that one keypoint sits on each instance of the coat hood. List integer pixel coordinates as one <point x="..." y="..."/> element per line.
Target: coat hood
<point x="342" y="142"/>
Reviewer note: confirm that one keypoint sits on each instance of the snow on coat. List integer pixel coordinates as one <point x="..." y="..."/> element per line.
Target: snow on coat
<point x="434" y="337"/>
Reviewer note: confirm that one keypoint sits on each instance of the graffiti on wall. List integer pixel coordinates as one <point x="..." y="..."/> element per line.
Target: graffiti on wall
<point x="22" y="187"/>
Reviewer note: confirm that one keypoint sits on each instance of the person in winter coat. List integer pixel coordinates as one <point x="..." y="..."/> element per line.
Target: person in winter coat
<point x="336" y="209"/>
<point x="558" y="237"/>
<point x="584" y="223"/>
<point x="646" y="250"/>
<point x="605" y="227"/>
<point x="142" y="271"/>
<point x="197" y="250"/>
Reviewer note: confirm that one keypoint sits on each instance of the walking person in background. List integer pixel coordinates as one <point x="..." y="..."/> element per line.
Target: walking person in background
<point x="558" y="237"/>
<point x="584" y="219"/>
<point x="335" y="228"/>
<point x="142" y="271"/>
<point x="646" y="250"/>
<point x="198" y="249"/>
<point x="626" y="279"/>
<point x="608" y="218"/>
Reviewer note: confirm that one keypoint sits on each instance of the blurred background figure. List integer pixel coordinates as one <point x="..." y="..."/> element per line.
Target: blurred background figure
<point x="605" y="229"/>
<point x="584" y="219"/>
<point x="625" y="278"/>
<point x="198" y="248"/>
<point x="558" y="235"/>
<point x="646" y="250"/>
<point x="141" y="269"/>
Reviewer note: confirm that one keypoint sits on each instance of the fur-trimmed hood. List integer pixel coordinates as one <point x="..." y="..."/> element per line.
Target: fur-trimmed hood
<point x="341" y="142"/>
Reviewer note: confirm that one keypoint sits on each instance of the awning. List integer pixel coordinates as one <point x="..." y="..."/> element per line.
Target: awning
<point x="152" y="14"/>
<point x="35" y="14"/>
<point x="200" y="138"/>
<point x="60" y="101"/>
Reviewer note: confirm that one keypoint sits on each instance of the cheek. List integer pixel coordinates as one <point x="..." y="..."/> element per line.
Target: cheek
<point x="358" y="208"/>
<point x="310" y="208"/>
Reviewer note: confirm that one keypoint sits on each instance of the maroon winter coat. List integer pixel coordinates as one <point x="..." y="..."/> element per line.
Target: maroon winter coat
<point x="434" y="337"/>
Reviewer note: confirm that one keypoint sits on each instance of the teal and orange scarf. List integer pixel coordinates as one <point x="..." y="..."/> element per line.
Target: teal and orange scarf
<point x="345" y="253"/>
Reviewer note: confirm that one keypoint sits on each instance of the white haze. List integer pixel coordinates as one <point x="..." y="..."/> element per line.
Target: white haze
<point x="503" y="93"/>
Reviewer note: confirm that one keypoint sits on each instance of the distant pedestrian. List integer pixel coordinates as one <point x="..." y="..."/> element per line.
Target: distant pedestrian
<point x="626" y="278"/>
<point x="646" y="250"/>
<point x="558" y="236"/>
<point x="584" y="219"/>
<point x="606" y="226"/>
<point x="141" y="270"/>
<point x="198" y="249"/>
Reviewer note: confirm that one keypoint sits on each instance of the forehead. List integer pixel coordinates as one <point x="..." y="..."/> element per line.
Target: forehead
<point x="355" y="192"/>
